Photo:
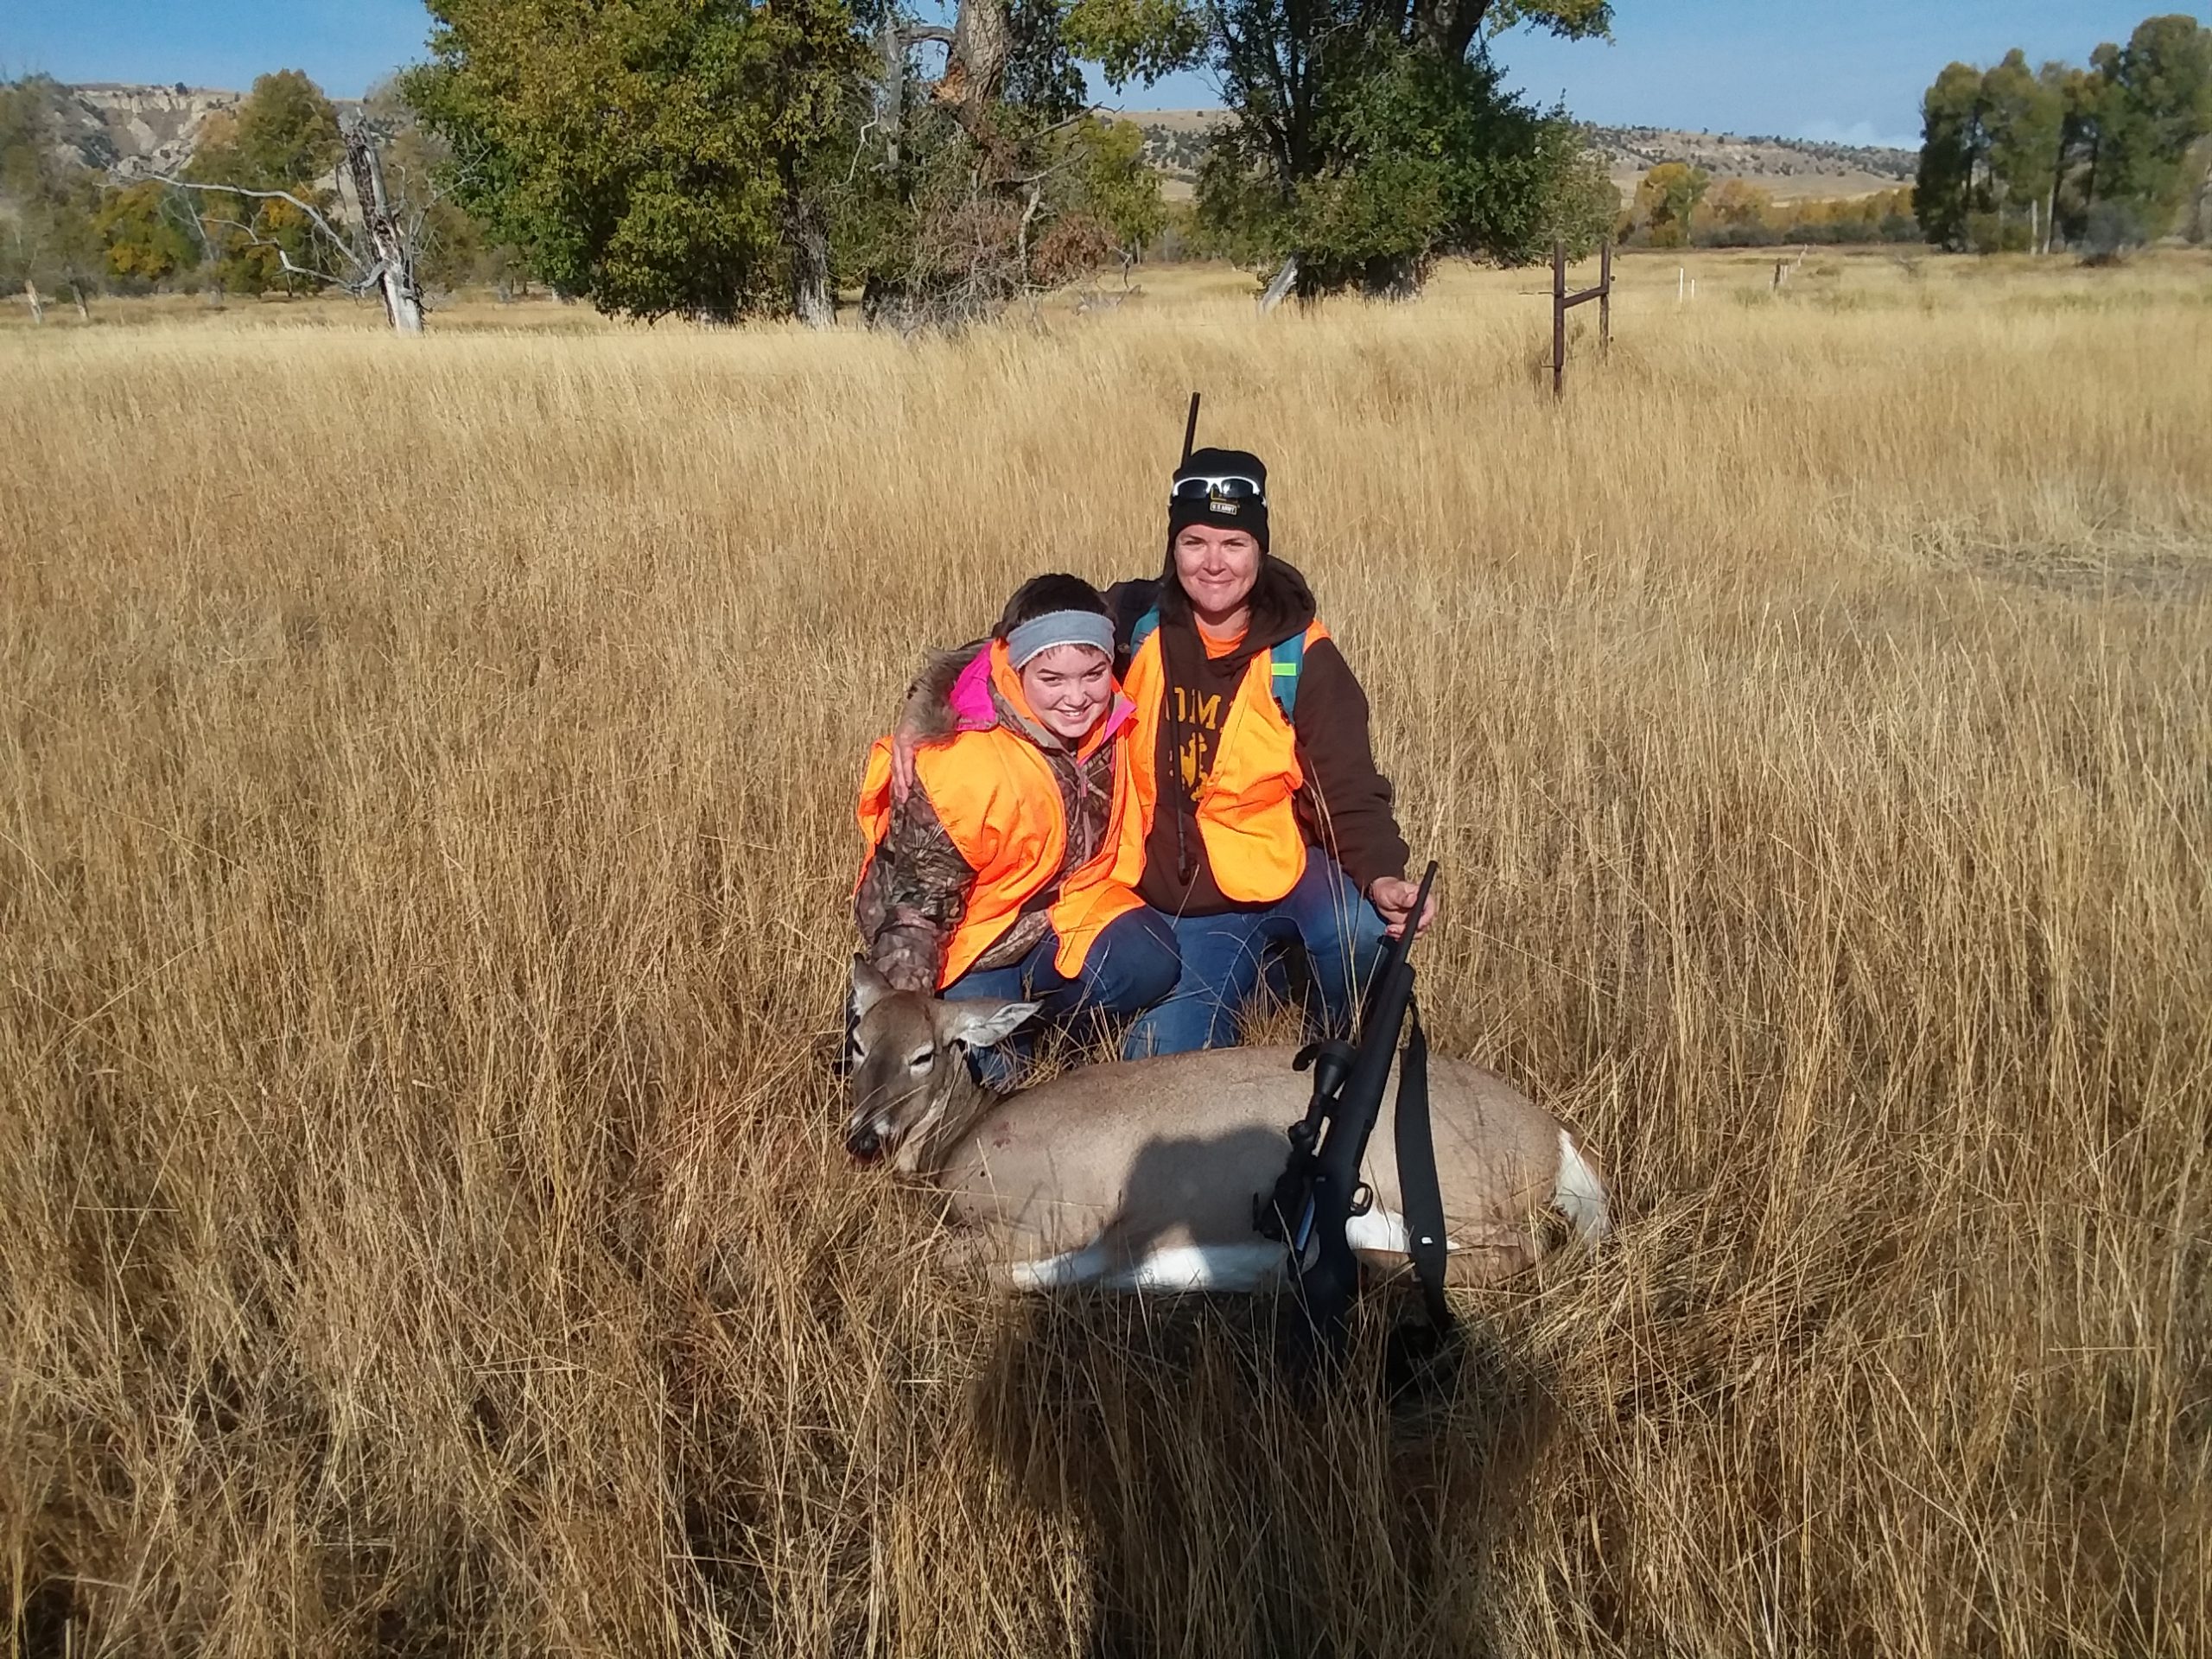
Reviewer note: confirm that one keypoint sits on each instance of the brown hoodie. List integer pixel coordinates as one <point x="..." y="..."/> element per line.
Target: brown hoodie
<point x="1345" y="805"/>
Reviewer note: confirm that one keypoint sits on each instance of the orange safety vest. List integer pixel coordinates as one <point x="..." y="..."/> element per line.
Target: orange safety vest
<point x="996" y="795"/>
<point x="1249" y="828"/>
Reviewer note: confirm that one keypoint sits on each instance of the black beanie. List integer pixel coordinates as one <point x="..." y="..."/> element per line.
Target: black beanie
<point x="1223" y="512"/>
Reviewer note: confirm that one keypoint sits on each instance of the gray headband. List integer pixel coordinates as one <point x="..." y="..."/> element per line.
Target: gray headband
<point x="1041" y="633"/>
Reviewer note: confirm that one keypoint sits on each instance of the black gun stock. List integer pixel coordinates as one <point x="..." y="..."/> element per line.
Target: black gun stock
<point x="1321" y="1190"/>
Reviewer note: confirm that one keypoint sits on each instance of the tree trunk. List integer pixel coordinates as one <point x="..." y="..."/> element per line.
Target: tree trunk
<point x="891" y="91"/>
<point x="77" y="293"/>
<point x="1280" y="286"/>
<point x="402" y="296"/>
<point x="38" y="305"/>
<point x="975" y="64"/>
<point x="812" y="301"/>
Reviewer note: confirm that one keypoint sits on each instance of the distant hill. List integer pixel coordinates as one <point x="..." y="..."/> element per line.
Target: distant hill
<point x="1175" y="141"/>
<point x="130" y="132"/>
<point x="1787" y="167"/>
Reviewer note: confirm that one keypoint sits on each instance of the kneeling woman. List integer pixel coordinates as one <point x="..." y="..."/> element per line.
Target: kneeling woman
<point x="1009" y="871"/>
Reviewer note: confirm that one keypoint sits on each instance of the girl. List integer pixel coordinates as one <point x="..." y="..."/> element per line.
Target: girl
<point x="1009" y="870"/>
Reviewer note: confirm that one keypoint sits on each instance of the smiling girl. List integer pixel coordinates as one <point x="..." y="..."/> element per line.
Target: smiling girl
<point x="1009" y="870"/>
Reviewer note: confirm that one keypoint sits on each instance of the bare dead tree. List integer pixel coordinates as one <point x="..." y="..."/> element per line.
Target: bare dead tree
<point x="393" y="271"/>
<point x="378" y="257"/>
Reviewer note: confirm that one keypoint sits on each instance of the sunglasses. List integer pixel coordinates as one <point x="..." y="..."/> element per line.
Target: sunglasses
<point x="1234" y="487"/>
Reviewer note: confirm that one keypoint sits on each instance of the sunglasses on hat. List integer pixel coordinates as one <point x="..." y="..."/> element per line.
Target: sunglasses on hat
<point x="1232" y="487"/>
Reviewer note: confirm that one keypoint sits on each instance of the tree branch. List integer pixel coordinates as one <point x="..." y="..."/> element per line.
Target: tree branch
<point x="355" y="285"/>
<point x="321" y="224"/>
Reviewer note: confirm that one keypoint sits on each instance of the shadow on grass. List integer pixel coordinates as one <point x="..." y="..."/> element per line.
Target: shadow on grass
<point x="1228" y="1510"/>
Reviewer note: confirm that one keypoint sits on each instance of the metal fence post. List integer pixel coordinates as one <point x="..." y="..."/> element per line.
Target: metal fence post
<point x="1559" y="318"/>
<point x="1605" y="299"/>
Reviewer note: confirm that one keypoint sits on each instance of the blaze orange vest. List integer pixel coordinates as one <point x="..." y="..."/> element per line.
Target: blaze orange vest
<point x="996" y="795"/>
<point x="1254" y="844"/>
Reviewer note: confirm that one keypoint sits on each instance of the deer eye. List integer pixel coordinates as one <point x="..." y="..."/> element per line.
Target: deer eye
<point x="920" y="1058"/>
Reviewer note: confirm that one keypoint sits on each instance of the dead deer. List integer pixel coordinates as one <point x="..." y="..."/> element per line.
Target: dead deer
<point x="1140" y="1175"/>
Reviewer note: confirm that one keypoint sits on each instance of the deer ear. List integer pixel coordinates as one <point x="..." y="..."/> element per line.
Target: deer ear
<point x="979" y="1025"/>
<point x="869" y="987"/>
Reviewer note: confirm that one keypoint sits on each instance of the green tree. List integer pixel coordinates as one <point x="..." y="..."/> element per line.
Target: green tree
<point x="48" y="241"/>
<point x="2078" y="91"/>
<point x="2023" y="118"/>
<point x="655" y="155"/>
<point x="2153" y="102"/>
<point x="1365" y="141"/>
<point x="285" y="137"/>
<point x="1951" y="186"/>
<point x="146" y="240"/>
<point x="287" y="134"/>
<point x="1117" y="187"/>
<point x="1667" y="201"/>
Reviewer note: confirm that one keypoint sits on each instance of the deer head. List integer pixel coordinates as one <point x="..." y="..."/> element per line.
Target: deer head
<point x="910" y="1083"/>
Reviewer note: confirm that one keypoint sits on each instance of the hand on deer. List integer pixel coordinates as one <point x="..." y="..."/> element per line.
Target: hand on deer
<point x="1393" y="896"/>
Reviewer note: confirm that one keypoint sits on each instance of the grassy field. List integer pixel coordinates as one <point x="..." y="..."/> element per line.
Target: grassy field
<point x="425" y="790"/>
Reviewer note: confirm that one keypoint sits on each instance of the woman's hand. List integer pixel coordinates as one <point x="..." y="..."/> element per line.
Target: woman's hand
<point x="1393" y="895"/>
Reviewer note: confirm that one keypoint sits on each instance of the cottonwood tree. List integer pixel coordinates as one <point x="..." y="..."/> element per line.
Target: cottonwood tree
<point x="2153" y="102"/>
<point x="1367" y="138"/>
<point x="656" y="156"/>
<point x="717" y="157"/>
<point x="1667" y="201"/>
<point x="2010" y="158"/>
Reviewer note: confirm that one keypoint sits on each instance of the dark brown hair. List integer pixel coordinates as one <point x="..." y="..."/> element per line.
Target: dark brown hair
<point x="1042" y="595"/>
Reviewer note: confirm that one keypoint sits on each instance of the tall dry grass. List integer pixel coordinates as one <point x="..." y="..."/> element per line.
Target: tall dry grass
<point x="423" y="849"/>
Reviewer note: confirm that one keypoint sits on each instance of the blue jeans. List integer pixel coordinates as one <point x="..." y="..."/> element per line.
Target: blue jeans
<point x="1225" y="957"/>
<point x="1131" y="965"/>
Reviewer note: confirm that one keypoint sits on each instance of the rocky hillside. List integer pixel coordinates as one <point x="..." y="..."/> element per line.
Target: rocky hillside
<point x="130" y="132"/>
<point x="1174" y="140"/>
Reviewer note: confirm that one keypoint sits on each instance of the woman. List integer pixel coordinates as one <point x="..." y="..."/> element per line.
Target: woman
<point x="1008" y="870"/>
<point x="1270" y="825"/>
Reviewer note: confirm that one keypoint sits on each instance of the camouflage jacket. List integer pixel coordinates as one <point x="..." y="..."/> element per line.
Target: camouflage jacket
<point x="914" y="892"/>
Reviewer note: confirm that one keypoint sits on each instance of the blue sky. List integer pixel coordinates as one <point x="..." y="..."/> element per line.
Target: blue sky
<point x="1808" y="68"/>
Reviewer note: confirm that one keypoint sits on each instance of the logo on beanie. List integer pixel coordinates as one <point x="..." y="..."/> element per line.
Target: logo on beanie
<point x="1219" y="506"/>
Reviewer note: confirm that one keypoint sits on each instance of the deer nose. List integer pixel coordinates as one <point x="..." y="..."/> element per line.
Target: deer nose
<point x="864" y="1143"/>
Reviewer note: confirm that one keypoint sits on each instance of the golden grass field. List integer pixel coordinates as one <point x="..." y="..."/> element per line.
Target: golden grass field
<point x="425" y="786"/>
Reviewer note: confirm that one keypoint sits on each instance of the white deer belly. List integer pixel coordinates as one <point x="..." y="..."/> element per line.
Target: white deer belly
<point x="1246" y="1265"/>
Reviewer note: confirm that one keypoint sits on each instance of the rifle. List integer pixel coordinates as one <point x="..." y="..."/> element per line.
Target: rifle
<point x="1319" y="1189"/>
